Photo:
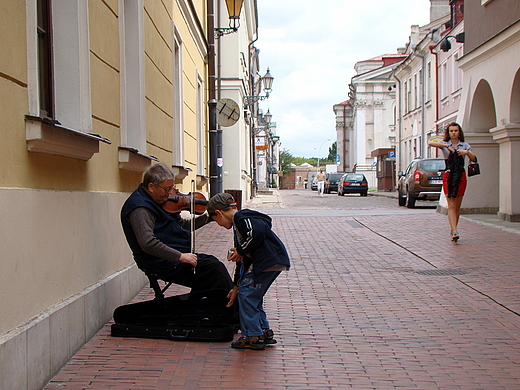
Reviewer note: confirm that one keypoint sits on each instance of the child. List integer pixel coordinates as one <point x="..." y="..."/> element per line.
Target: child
<point x="260" y="257"/>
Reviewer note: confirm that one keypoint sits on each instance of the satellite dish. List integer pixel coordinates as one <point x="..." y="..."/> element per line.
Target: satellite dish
<point x="228" y="112"/>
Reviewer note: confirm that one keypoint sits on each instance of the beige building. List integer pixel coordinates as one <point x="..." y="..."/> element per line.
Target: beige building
<point x="490" y="104"/>
<point x="417" y="94"/>
<point x="93" y="92"/>
<point x="373" y="118"/>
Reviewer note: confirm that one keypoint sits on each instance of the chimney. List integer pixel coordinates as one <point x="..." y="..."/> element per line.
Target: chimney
<point x="438" y="9"/>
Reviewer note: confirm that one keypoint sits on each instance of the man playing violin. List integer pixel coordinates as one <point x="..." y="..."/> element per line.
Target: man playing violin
<point x="161" y="241"/>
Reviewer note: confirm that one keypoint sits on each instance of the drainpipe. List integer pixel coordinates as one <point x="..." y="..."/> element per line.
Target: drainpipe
<point x="345" y="162"/>
<point x="254" y="182"/>
<point x="215" y="135"/>
<point x="436" y="95"/>
<point x="423" y="133"/>
<point x="398" y="117"/>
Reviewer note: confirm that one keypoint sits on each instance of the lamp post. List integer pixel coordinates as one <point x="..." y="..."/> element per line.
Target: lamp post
<point x="319" y="151"/>
<point x="215" y="134"/>
<point x="274" y="158"/>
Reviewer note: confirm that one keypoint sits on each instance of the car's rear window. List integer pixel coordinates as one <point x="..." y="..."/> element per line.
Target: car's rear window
<point x="433" y="165"/>
<point x="335" y="176"/>
<point x="356" y="177"/>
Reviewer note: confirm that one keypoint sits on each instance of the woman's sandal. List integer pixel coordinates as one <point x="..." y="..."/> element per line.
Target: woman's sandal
<point x="454" y="236"/>
<point x="249" y="342"/>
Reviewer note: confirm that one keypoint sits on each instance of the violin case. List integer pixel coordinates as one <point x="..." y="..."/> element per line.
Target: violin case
<point x="199" y="316"/>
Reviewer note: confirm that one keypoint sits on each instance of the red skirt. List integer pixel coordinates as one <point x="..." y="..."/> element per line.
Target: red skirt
<point x="462" y="185"/>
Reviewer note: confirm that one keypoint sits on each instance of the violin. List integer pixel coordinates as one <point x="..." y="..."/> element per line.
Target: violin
<point x="177" y="201"/>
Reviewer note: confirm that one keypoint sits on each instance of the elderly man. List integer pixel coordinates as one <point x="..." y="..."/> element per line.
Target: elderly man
<point x="160" y="241"/>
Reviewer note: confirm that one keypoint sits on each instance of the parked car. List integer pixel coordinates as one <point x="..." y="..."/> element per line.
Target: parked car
<point x="314" y="185"/>
<point x="422" y="180"/>
<point x="353" y="183"/>
<point x="331" y="184"/>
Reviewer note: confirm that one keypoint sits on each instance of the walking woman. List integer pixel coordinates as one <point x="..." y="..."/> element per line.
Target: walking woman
<point x="454" y="179"/>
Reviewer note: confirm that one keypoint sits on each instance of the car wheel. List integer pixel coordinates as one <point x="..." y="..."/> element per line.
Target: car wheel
<point x="364" y="194"/>
<point x="410" y="201"/>
<point x="401" y="200"/>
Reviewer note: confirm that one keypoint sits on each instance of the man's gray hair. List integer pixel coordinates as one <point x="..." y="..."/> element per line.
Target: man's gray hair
<point x="156" y="174"/>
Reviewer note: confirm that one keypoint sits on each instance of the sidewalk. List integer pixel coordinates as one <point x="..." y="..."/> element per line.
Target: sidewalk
<point x="369" y="303"/>
<point x="484" y="219"/>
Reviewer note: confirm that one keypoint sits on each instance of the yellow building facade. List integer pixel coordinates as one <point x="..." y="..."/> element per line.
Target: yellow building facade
<point x="93" y="92"/>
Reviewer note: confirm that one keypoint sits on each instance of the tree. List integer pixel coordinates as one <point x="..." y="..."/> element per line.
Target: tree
<point x="286" y="159"/>
<point x="333" y="150"/>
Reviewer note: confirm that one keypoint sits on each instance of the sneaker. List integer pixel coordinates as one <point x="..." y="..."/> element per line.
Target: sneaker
<point x="268" y="337"/>
<point x="249" y="342"/>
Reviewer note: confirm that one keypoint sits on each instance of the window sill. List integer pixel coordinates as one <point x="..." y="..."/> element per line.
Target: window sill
<point x="45" y="136"/>
<point x="131" y="159"/>
<point x="180" y="172"/>
<point x="202" y="180"/>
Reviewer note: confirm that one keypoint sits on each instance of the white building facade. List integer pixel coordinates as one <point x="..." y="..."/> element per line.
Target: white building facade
<point x="374" y="116"/>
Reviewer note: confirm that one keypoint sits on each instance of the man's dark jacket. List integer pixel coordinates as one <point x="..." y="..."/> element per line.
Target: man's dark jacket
<point x="167" y="229"/>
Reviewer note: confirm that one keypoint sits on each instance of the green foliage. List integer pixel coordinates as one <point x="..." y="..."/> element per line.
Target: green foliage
<point x="333" y="150"/>
<point x="286" y="159"/>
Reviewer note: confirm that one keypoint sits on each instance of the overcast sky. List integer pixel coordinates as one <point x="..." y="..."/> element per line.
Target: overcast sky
<point x="311" y="48"/>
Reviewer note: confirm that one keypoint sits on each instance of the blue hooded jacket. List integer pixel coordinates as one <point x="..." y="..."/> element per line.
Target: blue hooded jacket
<point x="254" y="237"/>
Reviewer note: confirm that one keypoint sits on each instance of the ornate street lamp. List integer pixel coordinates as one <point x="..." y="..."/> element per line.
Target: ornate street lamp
<point x="267" y="82"/>
<point x="233" y="7"/>
<point x="268" y="116"/>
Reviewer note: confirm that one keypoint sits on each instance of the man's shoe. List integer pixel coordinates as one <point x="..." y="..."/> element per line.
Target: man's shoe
<point x="268" y="337"/>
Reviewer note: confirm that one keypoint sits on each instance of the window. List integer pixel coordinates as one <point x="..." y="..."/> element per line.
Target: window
<point x="45" y="58"/>
<point x="132" y="151"/>
<point x="406" y="96"/>
<point x="409" y="96"/>
<point x="421" y="88"/>
<point x="415" y="94"/>
<point x="200" y="127"/>
<point x="444" y="80"/>
<point x="178" y="129"/>
<point x="457" y="73"/>
<point x="133" y="129"/>
<point x="428" y="95"/>
<point x="58" y="58"/>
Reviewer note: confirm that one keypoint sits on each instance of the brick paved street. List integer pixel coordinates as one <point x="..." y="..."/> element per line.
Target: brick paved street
<point x="371" y="302"/>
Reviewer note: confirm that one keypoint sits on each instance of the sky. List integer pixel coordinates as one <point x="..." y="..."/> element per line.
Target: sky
<point x="311" y="47"/>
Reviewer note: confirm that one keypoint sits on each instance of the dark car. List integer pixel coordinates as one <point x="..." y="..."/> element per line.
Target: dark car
<point x="422" y="180"/>
<point x="353" y="183"/>
<point x="331" y="183"/>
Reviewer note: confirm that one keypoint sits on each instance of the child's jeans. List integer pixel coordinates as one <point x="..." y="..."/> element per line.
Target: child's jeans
<point x="251" y="291"/>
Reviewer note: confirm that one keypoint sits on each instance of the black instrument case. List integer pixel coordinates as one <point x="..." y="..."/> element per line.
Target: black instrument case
<point x="199" y="316"/>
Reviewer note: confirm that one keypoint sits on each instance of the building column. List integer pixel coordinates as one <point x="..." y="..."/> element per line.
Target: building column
<point x="508" y="139"/>
<point x="482" y="194"/>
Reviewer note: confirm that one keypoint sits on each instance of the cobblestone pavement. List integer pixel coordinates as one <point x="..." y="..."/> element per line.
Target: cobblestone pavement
<point x="371" y="302"/>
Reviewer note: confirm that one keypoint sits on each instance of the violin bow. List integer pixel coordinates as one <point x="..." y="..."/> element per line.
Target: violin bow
<point x="192" y="212"/>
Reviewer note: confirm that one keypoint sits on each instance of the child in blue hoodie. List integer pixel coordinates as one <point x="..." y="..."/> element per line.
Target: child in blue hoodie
<point x="260" y="257"/>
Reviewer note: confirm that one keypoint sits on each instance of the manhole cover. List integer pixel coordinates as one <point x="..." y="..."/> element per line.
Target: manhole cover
<point x="442" y="272"/>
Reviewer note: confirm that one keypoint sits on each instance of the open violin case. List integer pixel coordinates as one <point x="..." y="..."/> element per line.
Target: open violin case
<point x="199" y="316"/>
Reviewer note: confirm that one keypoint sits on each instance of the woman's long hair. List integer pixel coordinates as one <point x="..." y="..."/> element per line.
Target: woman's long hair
<point x="447" y="132"/>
